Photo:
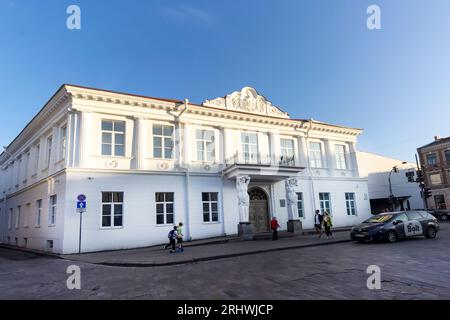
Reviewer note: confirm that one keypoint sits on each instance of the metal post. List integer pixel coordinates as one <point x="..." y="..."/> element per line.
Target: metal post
<point x="79" y="239"/>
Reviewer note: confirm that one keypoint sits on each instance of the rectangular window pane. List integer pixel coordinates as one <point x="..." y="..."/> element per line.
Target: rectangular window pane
<point x="119" y="138"/>
<point x="159" y="208"/>
<point x="214" y="216"/>
<point x="169" y="196"/>
<point x="106" y="210"/>
<point x="119" y="126"/>
<point x="157" y="152"/>
<point x="169" y="218"/>
<point x="169" y="208"/>
<point x="168" y="153"/>
<point x="214" y="196"/>
<point x="106" y="149"/>
<point x="205" y="196"/>
<point x="206" y="217"/>
<point x="214" y="206"/>
<point x="168" y="131"/>
<point x="157" y="142"/>
<point x="106" y="197"/>
<point x="107" y="125"/>
<point x="119" y="150"/>
<point x="157" y="129"/>
<point x="106" y="221"/>
<point x="159" y="219"/>
<point x="117" y="221"/>
<point x="106" y="137"/>
<point x="206" y="207"/>
<point x="117" y="209"/>
<point x="118" y="196"/>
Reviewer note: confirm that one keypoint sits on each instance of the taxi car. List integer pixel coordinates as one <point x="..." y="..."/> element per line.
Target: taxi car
<point x="392" y="226"/>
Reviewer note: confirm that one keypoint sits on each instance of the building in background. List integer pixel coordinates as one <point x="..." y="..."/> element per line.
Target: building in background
<point x="377" y="170"/>
<point x="145" y="164"/>
<point x="435" y="162"/>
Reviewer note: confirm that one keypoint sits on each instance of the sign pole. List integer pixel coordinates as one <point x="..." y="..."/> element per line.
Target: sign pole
<point x="79" y="239"/>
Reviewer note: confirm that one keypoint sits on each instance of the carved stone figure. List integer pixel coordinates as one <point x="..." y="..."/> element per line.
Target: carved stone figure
<point x="243" y="197"/>
<point x="291" y="196"/>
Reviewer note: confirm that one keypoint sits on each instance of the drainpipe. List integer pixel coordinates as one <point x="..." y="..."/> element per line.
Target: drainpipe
<point x="309" y="166"/>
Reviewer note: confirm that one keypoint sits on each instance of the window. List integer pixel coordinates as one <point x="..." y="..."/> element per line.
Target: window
<point x="27" y="215"/>
<point x="205" y="145"/>
<point x="38" y="151"/>
<point x="113" y="138"/>
<point x="315" y="154"/>
<point x="439" y="202"/>
<point x="10" y="217"/>
<point x="52" y="210"/>
<point x="350" y="203"/>
<point x="37" y="217"/>
<point x="63" y="146"/>
<point x="435" y="178"/>
<point x="164" y="207"/>
<point x="162" y="141"/>
<point x="112" y="209"/>
<point x="249" y="146"/>
<point x="447" y="156"/>
<point x="300" y="210"/>
<point x="325" y="203"/>
<point x="49" y="150"/>
<point x="287" y="148"/>
<point x="431" y="159"/>
<point x="210" y="208"/>
<point x="414" y="215"/>
<point x="339" y="152"/>
<point x="18" y="217"/>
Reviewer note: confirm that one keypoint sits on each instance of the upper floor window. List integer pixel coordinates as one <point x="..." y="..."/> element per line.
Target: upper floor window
<point x="112" y="209"/>
<point x="447" y="156"/>
<point x="37" y="217"/>
<point x="431" y="159"/>
<point x="435" y="179"/>
<point x="113" y="138"/>
<point x="49" y="150"/>
<point x="162" y="141"/>
<point x="339" y="152"/>
<point x="287" y="148"/>
<point x="63" y="142"/>
<point x="249" y="143"/>
<point x="205" y="145"/>
<point x="315" y="154"/>
<point x="52" y="211"/>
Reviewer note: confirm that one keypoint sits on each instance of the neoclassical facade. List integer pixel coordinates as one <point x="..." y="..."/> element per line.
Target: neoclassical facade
<point x="146" y="163"/>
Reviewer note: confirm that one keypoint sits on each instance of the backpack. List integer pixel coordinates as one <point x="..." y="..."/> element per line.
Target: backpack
<point x="171" y="233"/>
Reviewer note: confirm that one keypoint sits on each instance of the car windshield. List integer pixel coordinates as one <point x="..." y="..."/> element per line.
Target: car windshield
<point x="379" y="218"/>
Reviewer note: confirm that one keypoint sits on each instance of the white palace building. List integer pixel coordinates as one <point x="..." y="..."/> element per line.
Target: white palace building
<point x="144" y="164"/>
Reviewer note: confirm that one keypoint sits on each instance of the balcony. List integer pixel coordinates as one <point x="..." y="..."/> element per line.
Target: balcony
<point x="261" y="166"/>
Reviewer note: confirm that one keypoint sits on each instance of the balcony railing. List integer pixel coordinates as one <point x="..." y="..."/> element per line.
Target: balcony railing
<point x="260" y="159"/>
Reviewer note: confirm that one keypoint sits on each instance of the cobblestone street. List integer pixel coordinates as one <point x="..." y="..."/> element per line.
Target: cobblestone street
<point x="411" y="269"/>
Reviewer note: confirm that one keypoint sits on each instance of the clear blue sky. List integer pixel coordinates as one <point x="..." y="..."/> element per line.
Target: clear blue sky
<point x="312" y="58"/>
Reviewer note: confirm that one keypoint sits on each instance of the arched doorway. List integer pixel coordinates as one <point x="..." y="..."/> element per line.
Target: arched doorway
<point x="258" y="210"/>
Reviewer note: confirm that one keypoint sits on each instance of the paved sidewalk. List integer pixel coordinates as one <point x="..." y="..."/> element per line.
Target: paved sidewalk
<point x="196" y="251"/>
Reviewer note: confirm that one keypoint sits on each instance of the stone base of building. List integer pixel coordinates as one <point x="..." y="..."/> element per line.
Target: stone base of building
<point x="245" y="231"/>
<point x="295" y="226"/>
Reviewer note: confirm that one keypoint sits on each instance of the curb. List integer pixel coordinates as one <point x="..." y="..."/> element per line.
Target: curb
<point x="32" y="251"/>
<point x="218" y="257"/>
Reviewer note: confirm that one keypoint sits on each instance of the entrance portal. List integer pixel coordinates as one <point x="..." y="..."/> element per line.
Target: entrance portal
<point x="258" y="210"/>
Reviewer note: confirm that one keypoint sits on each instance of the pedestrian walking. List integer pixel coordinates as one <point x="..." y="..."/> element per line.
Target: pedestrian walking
<point x="180" y="236"/>
<point x="328" y="223"/>
<point x="318" y="223"/>
<point x="173" y="235"/>
<point x="274" y="226"/>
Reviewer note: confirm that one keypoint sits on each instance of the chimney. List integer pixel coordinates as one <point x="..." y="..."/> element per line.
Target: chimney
<point x="436" y="138"/>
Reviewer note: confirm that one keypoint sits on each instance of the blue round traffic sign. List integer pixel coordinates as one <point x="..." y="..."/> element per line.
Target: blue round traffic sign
<point x="81" y="197"/>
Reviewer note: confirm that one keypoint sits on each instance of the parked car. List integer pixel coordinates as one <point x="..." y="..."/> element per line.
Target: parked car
<point x="440" y="214"/>
<point x="392" y="226"/>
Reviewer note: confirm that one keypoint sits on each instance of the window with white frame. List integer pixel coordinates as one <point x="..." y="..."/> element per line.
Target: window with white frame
<point x="164" y="207"/>
<point x="113" y="138"/>
<point x="325" y="202"/>
<point x="26" y="215"/>
<point x="49" y="150"/>
<point x="162" y="141"/>
<point x="315" y="154"/>
<point x="18" y="217"/>
<point x="63" y="142"/>
<point x="287" y="149"/>
<point x="249" y="143"/>
<point x="205" y="145"/>
<point x="112" y="209"/>
<point x="37" y="217"/>
<point x="339" y="153"/>
<point x="350" y="203"/>
<point x="52" y="210"/>
<point x="10" y="218"/>
<point x="210" y="206"/>
<point x="300" y="209"/>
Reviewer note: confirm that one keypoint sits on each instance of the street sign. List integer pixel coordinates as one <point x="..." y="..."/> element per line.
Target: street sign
<point x="81" y="197"/>
<point x="81" y="204"/>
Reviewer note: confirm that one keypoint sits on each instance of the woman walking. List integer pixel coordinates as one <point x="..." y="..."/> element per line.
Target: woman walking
<point x="327" y="223"/>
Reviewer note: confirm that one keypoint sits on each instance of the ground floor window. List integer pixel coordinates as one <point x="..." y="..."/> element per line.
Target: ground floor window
<point x="52" y="211"/>
<point x="164" y="207"/>
<point x="439" y="201"/>
<point x="325" y="202"/>
<point x="300" y="210"/>
<point x="350" y="203"/>
<point x="210" y="208"/>
<point x="112" y="209"/>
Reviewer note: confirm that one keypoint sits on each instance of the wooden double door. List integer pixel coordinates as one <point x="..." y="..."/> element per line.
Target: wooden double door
<point x="258" y="210"/>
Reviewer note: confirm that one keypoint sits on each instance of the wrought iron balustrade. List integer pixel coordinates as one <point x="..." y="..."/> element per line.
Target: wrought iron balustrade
<point x="260" y="159"/>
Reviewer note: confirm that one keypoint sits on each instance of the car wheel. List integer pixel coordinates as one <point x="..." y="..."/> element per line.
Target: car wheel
<point x="392" y="236"/>
<point x="431" y="232"/>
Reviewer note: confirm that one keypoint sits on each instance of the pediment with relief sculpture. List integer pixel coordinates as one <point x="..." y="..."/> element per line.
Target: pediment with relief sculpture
<point x="247" y="100"/>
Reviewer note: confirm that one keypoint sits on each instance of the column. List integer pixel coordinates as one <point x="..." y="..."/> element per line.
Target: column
<point x="55" y="146"/>
<point x="227" y="140"/>
<point x="354" y="161"/>
<point x="329" y="155"/>
<point x="274" y="147"/>
<point x="138" y="143"/>
<point x="69" y="142"/>
<point x="302" y="152"/>
<point x="83" y="138"/>
<point x="187" y="144"/>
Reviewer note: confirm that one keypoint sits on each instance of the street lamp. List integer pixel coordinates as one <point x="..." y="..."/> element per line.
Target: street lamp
<point x="391" y="195"/>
